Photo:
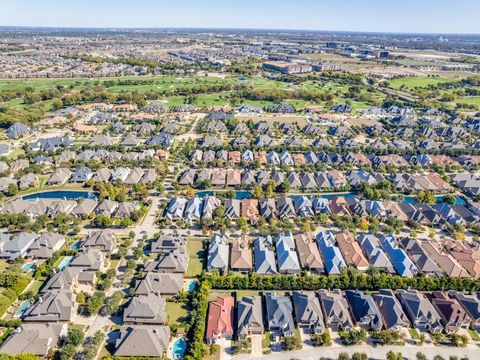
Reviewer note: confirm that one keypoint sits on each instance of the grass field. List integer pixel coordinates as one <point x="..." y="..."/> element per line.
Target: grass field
<point x="197" y="257"/>
<point x="177" y="313"/>
<point x="414" y="82"/>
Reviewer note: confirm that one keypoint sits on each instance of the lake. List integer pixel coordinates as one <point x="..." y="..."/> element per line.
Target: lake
<point x="61" y="194"/>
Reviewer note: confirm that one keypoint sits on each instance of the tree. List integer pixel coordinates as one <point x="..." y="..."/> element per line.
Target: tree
<point x="343" y="356"/>
<point x="12" y="190"/>
<point x="284" y="187"/>
<point x="67" y="352"/>
<point x="363" y="225"/>
<point x="353" y="336"/>
<point x="95" y="303"/>
<point x="74" y="336"/>
<point x="421" y="356"/>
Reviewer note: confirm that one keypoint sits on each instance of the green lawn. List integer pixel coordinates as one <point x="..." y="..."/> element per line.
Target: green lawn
<point x="177" y="313"/>
<point x="197" y="257"/>
<point x="414" y="333"/>
<point x="474" y="335"/>
<point x="414" y="81"/>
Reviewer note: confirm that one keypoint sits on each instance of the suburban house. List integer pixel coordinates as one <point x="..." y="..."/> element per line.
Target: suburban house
<point x="145" y="309"/>
<point x="335" y="308"/>
<point x="51" y="306"/>
<point x="332" y="257"/>
<point x="279" y="315"/>
<point x="249" y="316"/>
<point x="103" y="240"/>
<point x="392" y="313"/>
<point x="471" y="304"/>
<point x="374" y="252"/>
<point x="265" y="256"/>
<point x="308" y="312"/>
<point x="287" y="258"/>
<point x="420" y="257"/>
<point x="453" y="315"/>
<point x="364" y="310"/>
<point x="241" y="254"/>
<point x="308" y="253"/>
<point x="420" y="311"/>
<point x="165" y="284"/>
<point x="142" y="340"/>
<point x="220" y="319"/>
<point x="351" y="250"/>
<point x="218" y="253"/>
<point x="400" y="261"/>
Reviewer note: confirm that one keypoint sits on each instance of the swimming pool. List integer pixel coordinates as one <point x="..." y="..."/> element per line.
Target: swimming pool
<point x="65" y="262"/>
<point x="191" y="285"/>
<point x="61" y="194"/>
<point x="75" y="245"/>
<point x="23" y="307"/>
<point x="29" y="267"/>
<point x="239" y="195"/>
<point x="179" y="347"/>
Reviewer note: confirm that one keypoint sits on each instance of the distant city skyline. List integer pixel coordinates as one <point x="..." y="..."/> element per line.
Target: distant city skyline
<point x="407" y="16"/>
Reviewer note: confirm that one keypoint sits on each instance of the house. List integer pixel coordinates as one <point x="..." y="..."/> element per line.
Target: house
<point x="374" y="252"/>
<point x="162" y="139"/>
<point x="218" y="253"/>
<point x="268" y="208"/>
<point x="89" y="260"/>
<point x="241" y="254"/>
<point x="287" y="258"/>
<point x="420" y="311"/>
<point x="131" y="140"/>
<point x="308" y="253"/>
<point x="249" y="317"/>
<point x="51" y="306"/>
<point x="106" y="207"/>
<point x="285" y="207"/>
<point x="175" y="208"/>
<point x="145" y="310"/>
<point x="392" y="313"/>
<point x="142" y="340"/>
<point x="453" y="315"/>
<point x="420" y="258"/>
<point x="351" y="250"/>
<point x="18" y="245"/>
<point x="153" y="282"/>
<point x="232" y="209"/>
<point x="59" y="177"/>
<point x="45" y="245"/>
<point x="308" y="312"/>
<point x="364" y="310"/>
<point x="264" y="256"/>
<point x="335" y="309"/>
<point x="51" y="143"/>
<point x="220" y="319"/>
<point x="210" y="203"/>
<point x="28" y="181"/>
<point x="120" y="174"/>
<point x="193" y="209"/>
<point x="471" y="304"/>
<point x="249" y="209"/>
<point x="467" y="256"/>
<point x="134" y="176"/>
<point x="332" y="257"/>
<point x="18" y="130"/>
<point x="400" y="261"/>
<point x="103" y="240"/>
<point x="279" y="315"/>
<point x="84" y="208"/>
<point x="37" y="339"/>
<point x="81" y="174"/>
<point x="125" y="210"/>
<point x="65" y="279"/>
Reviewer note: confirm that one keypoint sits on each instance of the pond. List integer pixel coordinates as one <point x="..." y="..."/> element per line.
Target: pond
<point x="23" y="307"/>
<point x="411" y="199"/>
<point x="179" y="347"/>
<point x="29" y="267"/>
<point x="61" y="194"/>
<point x="65" y="262"/>
<point x="239" y="195"/>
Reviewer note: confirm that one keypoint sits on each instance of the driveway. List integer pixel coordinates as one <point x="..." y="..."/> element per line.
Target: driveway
<point x="257" y="345"/>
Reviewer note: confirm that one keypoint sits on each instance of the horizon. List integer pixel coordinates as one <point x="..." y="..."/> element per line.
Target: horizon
<point x="369" y="16"/>
<point x="232" y="29"/>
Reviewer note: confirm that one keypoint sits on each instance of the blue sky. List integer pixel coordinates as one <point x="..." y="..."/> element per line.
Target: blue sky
<point x="432" y="16"/>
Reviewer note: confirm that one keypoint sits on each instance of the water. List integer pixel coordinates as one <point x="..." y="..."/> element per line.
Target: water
<point x="239" y="195"/>
<point x="179" y="347"/>
<point x="191" y="286"/>
<point x="29" y="267"/>
<point x="76" y="245"/>
<point x="411" y="199"/>
<point x="61" y="194"/>
<point x="23" y="307"/>
<point x="65" y="262"/>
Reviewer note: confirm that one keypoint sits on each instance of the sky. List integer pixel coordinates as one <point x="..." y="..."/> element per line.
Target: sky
<point x="409" y="16"/>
